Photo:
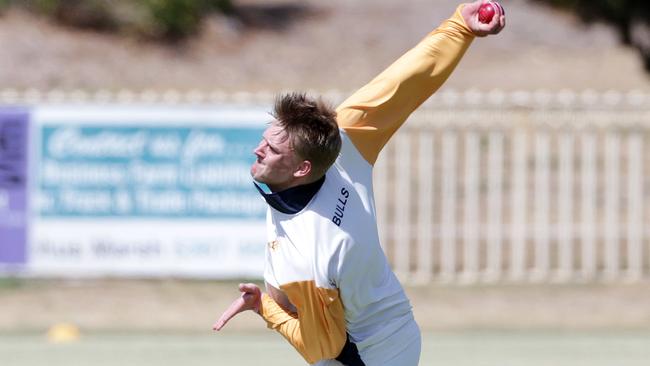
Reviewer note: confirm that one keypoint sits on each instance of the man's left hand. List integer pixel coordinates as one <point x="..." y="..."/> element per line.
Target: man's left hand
<point x="250" y="299"/>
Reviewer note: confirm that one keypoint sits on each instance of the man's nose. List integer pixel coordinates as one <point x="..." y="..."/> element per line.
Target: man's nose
<point x="259" y="150"/>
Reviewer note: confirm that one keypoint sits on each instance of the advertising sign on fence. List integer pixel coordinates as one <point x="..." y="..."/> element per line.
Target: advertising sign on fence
<point x="13" y="186"/>
<point x="136" y="191"/>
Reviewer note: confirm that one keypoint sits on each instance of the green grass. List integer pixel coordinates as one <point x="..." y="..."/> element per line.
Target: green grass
<point x="11" y="283"/>
<point x="484" y="348"/>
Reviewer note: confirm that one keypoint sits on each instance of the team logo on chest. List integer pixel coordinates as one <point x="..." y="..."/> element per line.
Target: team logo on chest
<point x="273" y="245"/>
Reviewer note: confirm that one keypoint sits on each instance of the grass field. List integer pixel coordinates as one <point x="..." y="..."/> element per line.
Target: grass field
<point x="475" y="348"/>
<point x="167" y="322"/>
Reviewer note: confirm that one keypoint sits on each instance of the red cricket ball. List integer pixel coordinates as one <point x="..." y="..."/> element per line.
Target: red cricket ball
<point x="486" y="12"/>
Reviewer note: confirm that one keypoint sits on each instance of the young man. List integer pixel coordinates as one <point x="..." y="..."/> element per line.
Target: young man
<point x="329" y="288"/>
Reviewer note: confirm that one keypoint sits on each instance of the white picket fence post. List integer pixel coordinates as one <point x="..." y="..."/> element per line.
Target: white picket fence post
<point x="549" y="192"/>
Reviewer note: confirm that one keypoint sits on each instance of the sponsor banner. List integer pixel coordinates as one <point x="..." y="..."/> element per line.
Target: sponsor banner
<point x="13" y="185"/>
<point x="199" y="249"/>
<point x="146" y="191"/>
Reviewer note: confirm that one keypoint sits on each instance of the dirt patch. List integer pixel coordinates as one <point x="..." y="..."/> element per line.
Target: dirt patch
<point x="175" y="305"/>
<point x="324" y="45"/>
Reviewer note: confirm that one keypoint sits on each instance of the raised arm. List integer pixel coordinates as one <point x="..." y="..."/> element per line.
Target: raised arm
<point x="373" y="114"/>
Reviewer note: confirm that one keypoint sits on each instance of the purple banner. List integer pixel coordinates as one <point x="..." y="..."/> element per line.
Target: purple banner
<point x="13" y="185"/>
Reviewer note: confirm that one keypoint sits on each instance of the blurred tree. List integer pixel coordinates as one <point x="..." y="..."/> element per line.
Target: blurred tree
<point x="631" y="18"/>
<point x="3" y="5"/>
<point x="158" y="19"/>
<point x="176" y="19"/>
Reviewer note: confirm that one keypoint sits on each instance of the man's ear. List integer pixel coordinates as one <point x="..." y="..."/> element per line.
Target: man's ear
<point x="303" y="169"/>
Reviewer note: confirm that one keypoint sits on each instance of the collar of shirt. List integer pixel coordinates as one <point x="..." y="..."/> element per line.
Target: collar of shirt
<point x="291" y="200"/>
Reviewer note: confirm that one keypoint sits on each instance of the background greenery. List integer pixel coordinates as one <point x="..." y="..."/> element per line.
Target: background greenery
<point x="173" y="20"/>
<point x="156" y="19"/>
<point x="631" y="18"/>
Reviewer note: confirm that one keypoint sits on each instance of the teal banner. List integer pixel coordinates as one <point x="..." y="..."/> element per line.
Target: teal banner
<point x="145" y="171"/>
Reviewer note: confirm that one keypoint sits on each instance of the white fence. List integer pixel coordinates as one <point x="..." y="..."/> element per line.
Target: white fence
<point x="495" y="187"/>
<point x="519" y="187"/>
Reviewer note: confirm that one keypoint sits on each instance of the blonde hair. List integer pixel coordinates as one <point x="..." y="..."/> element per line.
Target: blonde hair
<point x="310" y="124"/>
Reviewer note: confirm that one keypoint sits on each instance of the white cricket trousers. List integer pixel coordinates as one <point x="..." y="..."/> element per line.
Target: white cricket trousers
<point x="402" y="348"/>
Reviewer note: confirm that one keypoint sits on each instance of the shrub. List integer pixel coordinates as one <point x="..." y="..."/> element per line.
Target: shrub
<point x="158" y="19"/>
<point x="631" y="18"/>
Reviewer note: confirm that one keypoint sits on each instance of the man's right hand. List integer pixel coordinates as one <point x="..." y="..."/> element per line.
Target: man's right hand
<point x="470" y="15"/>
<point x="250" y="299"/>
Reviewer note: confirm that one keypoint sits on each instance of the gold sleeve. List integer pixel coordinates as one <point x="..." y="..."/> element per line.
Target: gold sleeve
<point x="373" y="114"/>
<point x="317" y="331"/>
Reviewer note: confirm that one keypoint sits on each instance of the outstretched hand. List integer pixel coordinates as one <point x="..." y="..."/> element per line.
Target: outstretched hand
<point x="470" y="14"/>
<point x="250" y="299"/>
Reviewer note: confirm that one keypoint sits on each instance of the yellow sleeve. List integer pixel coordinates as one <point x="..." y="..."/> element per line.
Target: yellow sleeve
<point x="318" y="330"/>
<point x="372" y="114"/>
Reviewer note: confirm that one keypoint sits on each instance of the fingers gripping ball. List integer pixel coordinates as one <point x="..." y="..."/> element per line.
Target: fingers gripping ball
<point x="487" y="11"/>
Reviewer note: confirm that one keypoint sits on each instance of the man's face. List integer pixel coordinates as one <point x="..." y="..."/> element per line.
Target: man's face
<point x="276" y="160"/>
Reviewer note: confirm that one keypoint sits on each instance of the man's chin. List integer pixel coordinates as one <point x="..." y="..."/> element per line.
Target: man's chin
<point x="256" y="177"/>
